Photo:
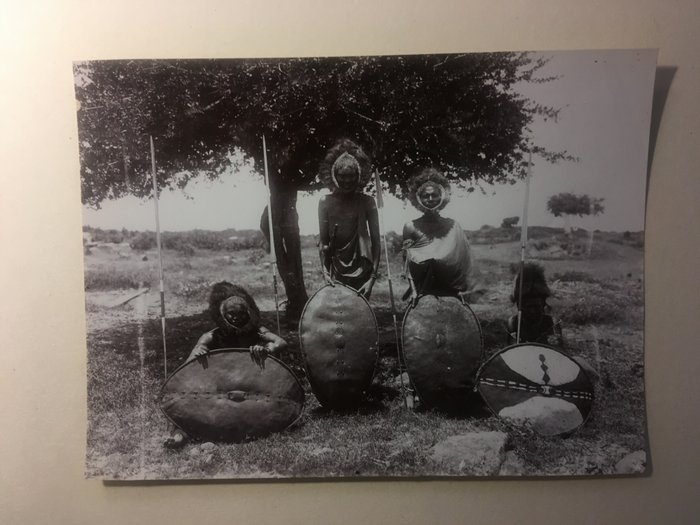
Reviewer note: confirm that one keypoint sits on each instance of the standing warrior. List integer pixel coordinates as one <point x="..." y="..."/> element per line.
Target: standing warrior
<point x="348" y="220"/>
<point x="437" y="253"/>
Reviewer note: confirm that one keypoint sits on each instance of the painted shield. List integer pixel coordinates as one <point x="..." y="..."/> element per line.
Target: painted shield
<point x="224" y="396"/>
<point x="442" y="349"/>
<point x="339" y="342"/>
<point x="537" y="385"/>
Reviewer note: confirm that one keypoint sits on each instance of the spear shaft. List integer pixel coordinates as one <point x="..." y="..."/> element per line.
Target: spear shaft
<point x="380" y="207"/>
<point x="160" y="256"/>
<point x="273" y="254"/>
<point x="523" y="244"/>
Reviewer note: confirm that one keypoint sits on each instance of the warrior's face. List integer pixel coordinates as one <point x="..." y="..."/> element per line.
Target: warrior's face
<point x="235" y="312"/>
<point x="346" y="178"/>
<point x="430" y="196"/>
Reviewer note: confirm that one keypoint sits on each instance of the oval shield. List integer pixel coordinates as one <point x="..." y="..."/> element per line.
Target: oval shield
<point x="224" y="396"/>
<point x="339" y="341"/>
<point x="538" y="385"/>
<point x="442" y="349"/>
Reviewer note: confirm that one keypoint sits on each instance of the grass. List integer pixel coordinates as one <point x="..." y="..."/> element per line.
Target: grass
<point x="601" y="301"/>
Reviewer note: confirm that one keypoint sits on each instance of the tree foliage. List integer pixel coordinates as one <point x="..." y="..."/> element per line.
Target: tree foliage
<point x="457" y="112"/>
<point x="509" y="222"/>
<point x="572" y="204"/>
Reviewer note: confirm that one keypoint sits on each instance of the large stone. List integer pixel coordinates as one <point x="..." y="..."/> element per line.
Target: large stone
<point x="633" y="463"/>
<point x="513" y="465"/>
<point x="471" y="454"/>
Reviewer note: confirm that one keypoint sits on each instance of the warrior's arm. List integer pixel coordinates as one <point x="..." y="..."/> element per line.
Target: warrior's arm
<point x="203" y="346"/>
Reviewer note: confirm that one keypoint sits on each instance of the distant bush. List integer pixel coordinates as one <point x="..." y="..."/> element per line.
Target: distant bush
<point x="592" y="311"/>
<point x="187" y="242"/>
<point x="115" y="278"/>
<point x="193" y="289"/>
<point x="573" y="276"/>
<point x="143" y="241"/>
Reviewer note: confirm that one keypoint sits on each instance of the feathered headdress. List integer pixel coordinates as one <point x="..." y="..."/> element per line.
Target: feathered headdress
<point x="345" y="153"/>
<point x="425" y="177"/>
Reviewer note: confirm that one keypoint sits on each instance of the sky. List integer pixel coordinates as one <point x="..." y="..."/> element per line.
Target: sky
<point x="605" y="98"/>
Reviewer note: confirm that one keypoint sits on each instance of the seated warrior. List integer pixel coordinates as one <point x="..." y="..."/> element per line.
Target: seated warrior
<point x="348" y="221"/>
<point x="537" y="325"/>
<point x="238" y="326"/>
<point x="437" y="254"/>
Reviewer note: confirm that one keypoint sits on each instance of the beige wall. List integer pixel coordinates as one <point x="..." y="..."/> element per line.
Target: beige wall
<point x="42" y="367"/>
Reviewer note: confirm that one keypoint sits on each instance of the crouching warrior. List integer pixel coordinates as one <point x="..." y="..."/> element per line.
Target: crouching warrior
<point x="348" y="220"/>
<point x="238" y="326"/>
<point x="537" y="324"/>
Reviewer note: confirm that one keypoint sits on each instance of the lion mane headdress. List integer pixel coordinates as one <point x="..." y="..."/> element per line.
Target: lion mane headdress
<point x="223" y="291"/>
<point x="428" y="176"/>
<point x="534" y="283"/>
<point x="345" y="153"/>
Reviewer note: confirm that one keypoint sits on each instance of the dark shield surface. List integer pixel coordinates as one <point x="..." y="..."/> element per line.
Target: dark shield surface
<point x="224" y="396"/>
<point x="537" y="385"/>
<point x="338" y="337"/>
<point x="442" y="348"/>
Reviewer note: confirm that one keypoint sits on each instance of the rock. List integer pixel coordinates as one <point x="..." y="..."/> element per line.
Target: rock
<point x="633" y="463"/>
<point x="207" y="447"/>
<point x="513" y="465"/>
<point x="548" y="416"/>
<point x="471" y="454"/>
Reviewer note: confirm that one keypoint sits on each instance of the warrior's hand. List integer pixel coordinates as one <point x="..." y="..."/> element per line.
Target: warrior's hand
<point x="413" y="298"/>
<point x="258" y="354"/>
<point x="366" y="288"/>
<point x="327" y="277"/>
<point x="199" y="351"/>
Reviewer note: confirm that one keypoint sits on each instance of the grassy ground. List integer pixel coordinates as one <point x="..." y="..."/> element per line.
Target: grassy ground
<point x="600" y="300"/>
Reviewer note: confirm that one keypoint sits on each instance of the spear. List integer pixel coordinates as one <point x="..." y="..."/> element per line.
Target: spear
<point x="523" y="244"/>
<point x="273" y="256"/>
<point x="160" y="255"/>
<point x="380" y="206"/>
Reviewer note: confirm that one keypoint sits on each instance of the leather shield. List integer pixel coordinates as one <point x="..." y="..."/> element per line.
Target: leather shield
<point x="442" y="348"/>
<point x="225" y="396"/>
<point x="339" y="341"/>
<point x="537" y="385"/>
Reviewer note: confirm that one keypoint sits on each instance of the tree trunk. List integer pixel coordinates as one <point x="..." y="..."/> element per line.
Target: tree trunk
<point x="285" y="228"/>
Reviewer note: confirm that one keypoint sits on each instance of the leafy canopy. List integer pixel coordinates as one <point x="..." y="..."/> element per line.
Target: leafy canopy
<point x="459" y="113"/>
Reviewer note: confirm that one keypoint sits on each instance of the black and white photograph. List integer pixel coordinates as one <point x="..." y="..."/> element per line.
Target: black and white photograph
<point x="406" y="266"/>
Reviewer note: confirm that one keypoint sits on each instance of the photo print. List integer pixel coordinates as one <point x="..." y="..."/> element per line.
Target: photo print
<point x="378" y="266"/>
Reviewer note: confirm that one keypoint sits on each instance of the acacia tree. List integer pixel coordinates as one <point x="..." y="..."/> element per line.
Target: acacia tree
<point x="567" y="205"/>
<point x="459" y="113"/>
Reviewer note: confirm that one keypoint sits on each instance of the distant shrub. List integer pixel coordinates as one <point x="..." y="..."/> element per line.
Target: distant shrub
<point x="195" y="288"/>
<point x="108" y="236"/>
<point x="143" y="241"/>
<point x="594" y="310"/>
<point x="111" y="278"/>
<point x="256" y="256"/>
<point x="573" y="276"/>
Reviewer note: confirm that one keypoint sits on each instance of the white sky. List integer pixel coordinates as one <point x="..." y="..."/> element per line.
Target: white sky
<point x="606" y="96"/>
